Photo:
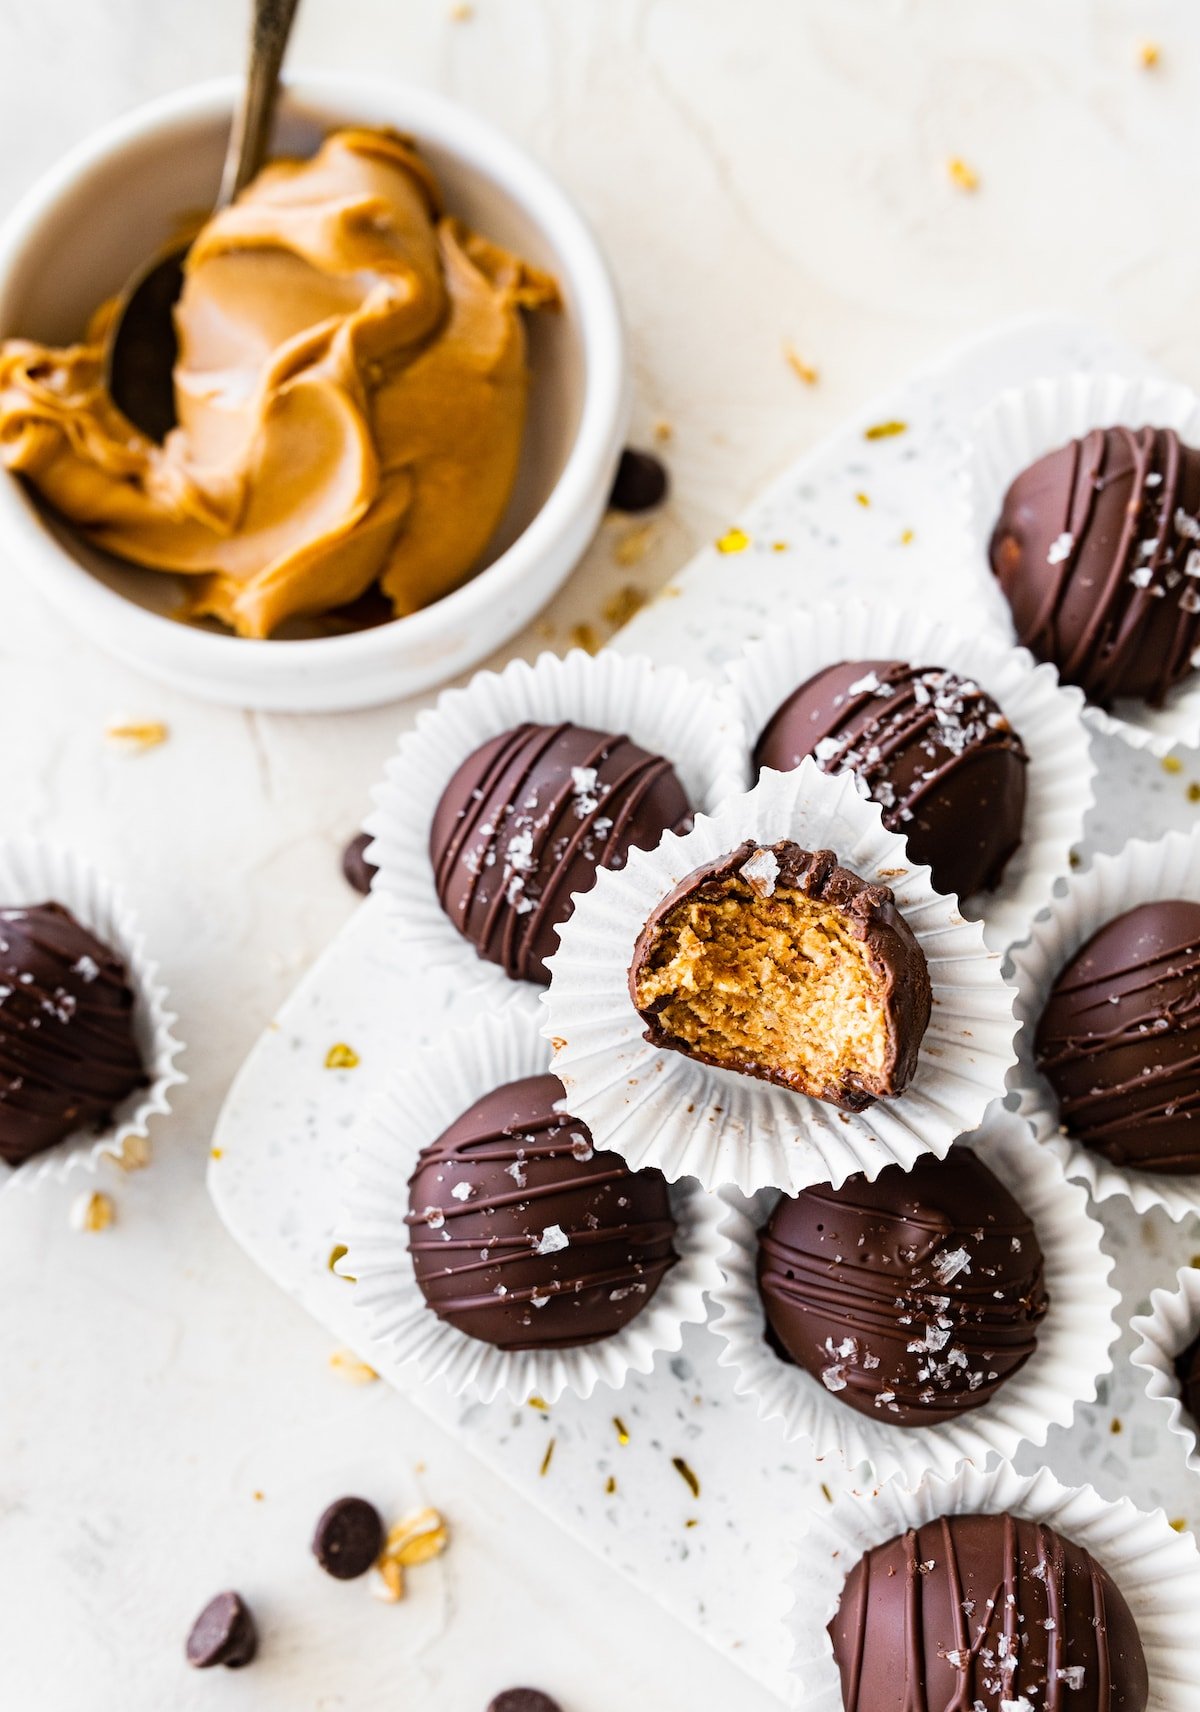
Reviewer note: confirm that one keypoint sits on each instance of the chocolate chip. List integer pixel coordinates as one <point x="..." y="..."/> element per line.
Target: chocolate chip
<point x="523" y="1700"/>
<point x="349" y="1538"/>
<point x="641" y="482"/>
<point x="355" y="866"/>
<point x="223" y="1633"/>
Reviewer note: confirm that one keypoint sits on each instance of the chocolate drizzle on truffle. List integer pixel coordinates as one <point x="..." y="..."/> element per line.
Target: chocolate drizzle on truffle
<point x="1097" y="550"/>
<point x="525" y="823"/>
<point x="777" y="962"/>
<point x="986" y="1614"/>
<point x="525" y="1237"/>
<point x="67" y="1050"/>
<point x="1119" y="1039"/>
<point x="912" y="1298"/>
<point x="934" y="751"/>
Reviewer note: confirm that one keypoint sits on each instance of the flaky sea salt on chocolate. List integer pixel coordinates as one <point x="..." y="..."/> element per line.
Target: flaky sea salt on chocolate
<point x="761" y="872"/>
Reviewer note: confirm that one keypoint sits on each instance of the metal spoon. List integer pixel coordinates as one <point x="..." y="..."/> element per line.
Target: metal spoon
<point x="141" y="347"/>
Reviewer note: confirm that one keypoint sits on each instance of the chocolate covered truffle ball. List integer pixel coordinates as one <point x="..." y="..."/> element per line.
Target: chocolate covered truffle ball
<point x="1187" y="1371"/>
<point x="1097" y="550"/>
<point x="986" y="1614"/>
<point x="912" y="1298"/>
<point x="525" y="823"/>
<point x="525" y="1237"/>
<point x="776" y="962"/>
<point x="934" y="751"/>
<point x="68" y="1055"/>
<point x="1119" y="1039"/>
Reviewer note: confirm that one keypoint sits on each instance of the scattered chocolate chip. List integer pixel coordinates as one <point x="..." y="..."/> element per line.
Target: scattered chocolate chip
<point x="349" y="1538"/>
<point x="640" y="484"/>
<point x="355" y="866"/>
<point x="523" y="1700"/>
<point x="223" y="1633"/>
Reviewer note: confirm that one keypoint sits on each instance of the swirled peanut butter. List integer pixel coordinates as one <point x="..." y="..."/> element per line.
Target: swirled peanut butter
<point x="351" y="391"/>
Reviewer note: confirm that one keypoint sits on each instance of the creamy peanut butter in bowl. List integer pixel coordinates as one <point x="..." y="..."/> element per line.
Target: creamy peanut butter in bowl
<point x="401" y="389"/>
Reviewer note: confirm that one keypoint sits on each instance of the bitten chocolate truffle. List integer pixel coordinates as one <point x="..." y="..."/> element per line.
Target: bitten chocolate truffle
<point x="525" y="823"/>
<point x="68" y="1055"/>
<point x="1187" y="1371"/>
<point x="987" y="1613"/>
<point x="934" y="751"/>
<point x="1097" y="550"/>
<point x="523" y="1236"/>
<point x="1119" y="1040"/>
<point x="912" y="1298"/>
<point x="779" y="963"/>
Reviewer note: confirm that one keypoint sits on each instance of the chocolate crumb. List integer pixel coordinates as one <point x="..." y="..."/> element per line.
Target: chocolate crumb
<point x="523" y="1700"/>
<point x="348" y="1539"/>
<point x="223" y="1633"/>
<point x="640" y="483"/>
<point x="358" y="871"/>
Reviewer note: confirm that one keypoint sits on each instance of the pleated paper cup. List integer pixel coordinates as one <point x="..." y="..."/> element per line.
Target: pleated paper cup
<point x="1022" y="425"/>
<point x="419" y="1103"/>
<point x="1046" y="715"/>
<point x="1074" y="1341"/>
<point x="1140" y="873"/>
<point x="35" y="873"/>
<point x="1171" y="1326"/>
<point x="693" y="725"/>
<point x="1156" y="1569"/>
<point x="658" y="1107"/>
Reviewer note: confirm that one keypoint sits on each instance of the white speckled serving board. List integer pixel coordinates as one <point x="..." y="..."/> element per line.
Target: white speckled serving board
<point x="718" y="1560"/>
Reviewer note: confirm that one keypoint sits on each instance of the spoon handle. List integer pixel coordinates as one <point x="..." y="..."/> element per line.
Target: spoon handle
<point x="270" y="27"/>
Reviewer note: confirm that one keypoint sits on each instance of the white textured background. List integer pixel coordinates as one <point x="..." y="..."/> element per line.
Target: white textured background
<point x="758" y="172"/>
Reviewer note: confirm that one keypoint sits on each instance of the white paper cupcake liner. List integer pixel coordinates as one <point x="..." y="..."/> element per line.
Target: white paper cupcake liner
<point x="1172" y="1324"/>
<point x="662" y="1108"/>
<point x="1156" y="1569"/>
<point x="419" y="1103"/>
<point x="1139" y="873"/>
<point x="1074" y="1341"/>
<point x="692" y="724"/>
<point x="35" y="873"/>
<point x="1022" y="425"/>
<point x="1045" y="714"/>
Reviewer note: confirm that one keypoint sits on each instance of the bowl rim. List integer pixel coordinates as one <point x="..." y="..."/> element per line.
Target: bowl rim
<point x="459" y="131"/>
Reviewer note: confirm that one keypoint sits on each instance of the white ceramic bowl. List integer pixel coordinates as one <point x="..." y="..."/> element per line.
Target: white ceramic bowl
<point x="73" y="241"/>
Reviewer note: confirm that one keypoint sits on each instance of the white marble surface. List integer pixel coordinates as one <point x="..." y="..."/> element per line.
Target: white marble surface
<point x="766" y="172"/>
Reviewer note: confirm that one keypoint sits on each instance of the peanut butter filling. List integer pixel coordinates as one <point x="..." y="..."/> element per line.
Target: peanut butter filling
<point x="776" y="981"/>
<point x="351" y="391"/>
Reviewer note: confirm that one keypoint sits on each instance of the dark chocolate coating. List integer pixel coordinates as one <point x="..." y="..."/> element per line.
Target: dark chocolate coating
<point x="526" y="821"/>
<point x="640" y="482"/>
<point x="869" y="913"/>
<point x="68" y="1055"/>
<point x="547" y="1244"/>
<point x="977" y="1612"/>
<point x="224" y="1633"/>
<point x="1119" y="1039"/>
<point x="1096" y="552"/>
<point x="934" y="751"/>
<point x="912" y="1298"/>
<point x="1187" y="1371"/>
<point x="348" y="1538"/>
